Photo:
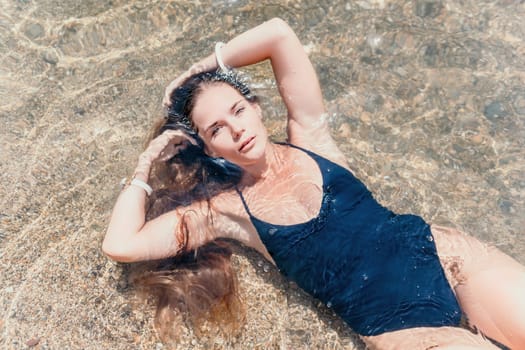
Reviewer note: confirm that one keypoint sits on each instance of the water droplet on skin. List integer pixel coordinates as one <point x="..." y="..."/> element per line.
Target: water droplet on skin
<point x="272" y="231"/>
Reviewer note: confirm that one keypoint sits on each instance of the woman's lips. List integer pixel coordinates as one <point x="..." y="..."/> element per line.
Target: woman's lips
<point x="246" y="144"/>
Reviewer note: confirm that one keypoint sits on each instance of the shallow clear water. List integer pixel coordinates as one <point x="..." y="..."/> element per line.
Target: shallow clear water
<point x="426" y="98"/>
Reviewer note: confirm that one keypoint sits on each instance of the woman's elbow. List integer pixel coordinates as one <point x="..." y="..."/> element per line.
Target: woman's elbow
<point x="278" y="21"/>
<point x="281" y="26"/>
<point x="117" y="251"/>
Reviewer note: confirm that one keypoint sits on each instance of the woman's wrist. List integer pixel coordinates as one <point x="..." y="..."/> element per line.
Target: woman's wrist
<point x="138" y="180"/>
<point x="143" y="167"/>
<point x="207" y="64"/>
<point x="141" y="184"/>
<point x="139" y="174"/>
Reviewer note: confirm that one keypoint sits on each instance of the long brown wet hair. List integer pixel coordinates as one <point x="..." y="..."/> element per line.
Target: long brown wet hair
<point x="197" y="287"/>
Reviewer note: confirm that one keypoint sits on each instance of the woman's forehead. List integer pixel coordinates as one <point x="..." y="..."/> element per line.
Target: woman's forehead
<point x="214" y="99"/>
<point x="218" y="88"/>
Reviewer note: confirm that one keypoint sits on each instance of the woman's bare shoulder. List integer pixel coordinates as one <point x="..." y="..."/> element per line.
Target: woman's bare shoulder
<point x="232" y="221"/>
<point x="318" y="139"/>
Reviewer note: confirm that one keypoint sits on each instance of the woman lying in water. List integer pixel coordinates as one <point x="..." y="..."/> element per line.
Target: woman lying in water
<point x="394" y="279"/>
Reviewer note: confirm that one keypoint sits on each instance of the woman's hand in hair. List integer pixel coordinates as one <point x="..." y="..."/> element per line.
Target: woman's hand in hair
<point x="166" y="101"/>
<point x="162" y="148"/>
<point x="205" y="65"/>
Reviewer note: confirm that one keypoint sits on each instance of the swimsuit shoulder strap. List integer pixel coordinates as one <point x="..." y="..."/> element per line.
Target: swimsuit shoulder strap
<point x="315" y="156"/>
<point x="297" y="147"/>
<point x="244" y="202"/>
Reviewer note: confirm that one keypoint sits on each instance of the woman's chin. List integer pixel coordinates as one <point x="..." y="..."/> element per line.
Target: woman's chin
<point x="250" y="156"/>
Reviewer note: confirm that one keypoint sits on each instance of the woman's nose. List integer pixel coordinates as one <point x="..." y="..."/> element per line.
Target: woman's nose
<point x="237" y="129"/>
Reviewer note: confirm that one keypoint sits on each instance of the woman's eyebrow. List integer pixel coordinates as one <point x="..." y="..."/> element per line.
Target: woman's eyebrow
<point x="232" y="109"/>
<point x="211" y="126"/>
<point x="234" y="106"/>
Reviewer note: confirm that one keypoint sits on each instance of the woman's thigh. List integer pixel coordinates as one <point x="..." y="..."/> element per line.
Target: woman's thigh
<point x="489" y="285"/>
<point x="429" y="338"/>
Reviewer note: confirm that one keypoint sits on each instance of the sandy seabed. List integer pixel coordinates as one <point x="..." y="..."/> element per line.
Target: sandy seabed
<point x="426" y="98"/>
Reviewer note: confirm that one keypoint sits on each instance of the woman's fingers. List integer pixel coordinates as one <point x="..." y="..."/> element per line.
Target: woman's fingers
<point x="155" y="149"/>
<point x="194" y="69"/>
<point x="168" y="144"/>
<point x="174" y="135"/>
<point x="171" y="150"/>
<point x="166" y="101"/>
<point x="176" y="145"/>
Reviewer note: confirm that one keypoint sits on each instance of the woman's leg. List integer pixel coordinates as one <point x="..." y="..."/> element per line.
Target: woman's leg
<point x="489" y="285"/>
<point x="429" y="338"/>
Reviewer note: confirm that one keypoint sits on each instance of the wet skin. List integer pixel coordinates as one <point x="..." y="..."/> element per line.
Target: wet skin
<point x="230" y="126"/>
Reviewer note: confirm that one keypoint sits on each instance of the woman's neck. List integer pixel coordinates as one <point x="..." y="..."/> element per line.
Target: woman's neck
<point x="267" y="168"/>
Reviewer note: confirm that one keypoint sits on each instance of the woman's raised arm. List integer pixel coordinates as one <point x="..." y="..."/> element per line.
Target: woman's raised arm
<point x="129" y="237"/>
<point x="295" y="75"/>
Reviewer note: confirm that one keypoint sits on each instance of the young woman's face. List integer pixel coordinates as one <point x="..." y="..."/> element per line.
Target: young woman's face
<point x="230" y="125"/>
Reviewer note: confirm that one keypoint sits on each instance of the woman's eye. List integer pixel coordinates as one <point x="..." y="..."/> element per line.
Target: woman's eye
<point x="239" y="110"/>
<point x="215" y="130"/>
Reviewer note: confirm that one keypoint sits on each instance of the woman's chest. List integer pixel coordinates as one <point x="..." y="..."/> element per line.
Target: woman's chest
<point x="294" y="195"/>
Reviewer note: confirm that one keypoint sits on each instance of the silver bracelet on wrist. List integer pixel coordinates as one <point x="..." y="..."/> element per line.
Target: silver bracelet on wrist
<point x="136" y="182"/>
<point x="218" y="57"/>
<point x="143" y="185"/>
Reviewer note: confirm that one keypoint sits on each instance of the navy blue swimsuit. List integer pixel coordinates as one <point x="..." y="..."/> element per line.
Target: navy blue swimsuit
<point x="377" y="270"/>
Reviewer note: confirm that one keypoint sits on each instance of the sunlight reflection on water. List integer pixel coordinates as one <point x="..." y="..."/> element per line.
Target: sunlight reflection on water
<point x="425" y="98"/>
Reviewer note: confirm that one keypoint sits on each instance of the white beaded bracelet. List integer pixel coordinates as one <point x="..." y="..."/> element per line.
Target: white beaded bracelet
<point x="218" y="57"/>
<point x="143" y="185"/>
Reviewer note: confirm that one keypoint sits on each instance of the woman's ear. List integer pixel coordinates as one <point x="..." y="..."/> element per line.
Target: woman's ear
<point x="209" y="152"/>
<point x="205" y="147"/>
